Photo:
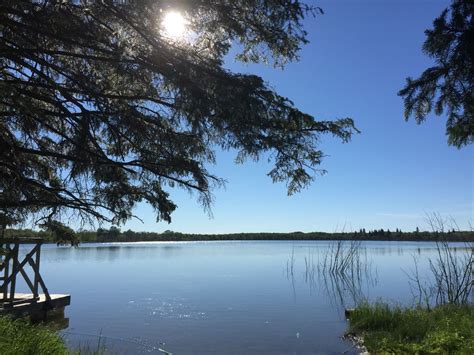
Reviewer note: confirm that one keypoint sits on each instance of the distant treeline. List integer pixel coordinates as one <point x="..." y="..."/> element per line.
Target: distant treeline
<point x="114" y="234"/>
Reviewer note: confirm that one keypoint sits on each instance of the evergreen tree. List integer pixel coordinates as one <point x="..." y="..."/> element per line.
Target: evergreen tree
<point x="449" y="84"/>
<point x="100" y="108"/>
<point x="61" y="233"/>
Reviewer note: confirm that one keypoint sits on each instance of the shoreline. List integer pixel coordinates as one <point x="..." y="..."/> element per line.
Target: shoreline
<point x="115" y="235"/>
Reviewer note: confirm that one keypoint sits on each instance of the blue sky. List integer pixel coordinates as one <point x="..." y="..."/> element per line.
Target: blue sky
<point x="389" y="176"/>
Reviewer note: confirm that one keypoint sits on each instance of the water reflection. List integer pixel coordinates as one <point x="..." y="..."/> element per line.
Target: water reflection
<point x="348" y="288"/>
<point x="342" y="270"/>
<point x="222" y="297"/>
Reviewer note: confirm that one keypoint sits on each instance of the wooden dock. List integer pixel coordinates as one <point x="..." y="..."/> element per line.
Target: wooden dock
<point x="35" y="305"/>
<point x="36" y="309"/>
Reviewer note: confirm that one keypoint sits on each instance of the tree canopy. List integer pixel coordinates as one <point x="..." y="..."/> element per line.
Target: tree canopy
<point x="448" y="86"/>
<point x="61" y="233"/>
<point x="100" y="108"/>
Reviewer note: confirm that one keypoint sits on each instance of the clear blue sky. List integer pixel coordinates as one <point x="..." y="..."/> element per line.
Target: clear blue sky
<point x="389" y="176"/>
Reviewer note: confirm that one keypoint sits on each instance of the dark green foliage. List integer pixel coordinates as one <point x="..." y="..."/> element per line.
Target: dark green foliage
<point x="115" y="235"/>
<point x="21" y="338"/>
<point x="449" y="85"/>
<point x="100" y="110"/>
<point x="61" y="234"/>
<point x="395" y="330"/>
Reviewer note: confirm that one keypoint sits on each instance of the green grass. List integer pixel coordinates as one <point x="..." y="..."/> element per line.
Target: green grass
<point x="22" y="338"/>
<point x="445" y="329"/>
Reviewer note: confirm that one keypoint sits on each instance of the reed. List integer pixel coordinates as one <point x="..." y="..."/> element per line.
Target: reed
<point x="451" y="271"/>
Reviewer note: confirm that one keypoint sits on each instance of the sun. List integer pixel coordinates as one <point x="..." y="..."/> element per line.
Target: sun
<point x="174" y="24"/>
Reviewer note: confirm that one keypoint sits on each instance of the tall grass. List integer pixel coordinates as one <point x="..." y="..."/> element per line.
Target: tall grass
<point x="442" y="330"/>
<point x="342" y="270"/>
<point x="451" y="270"/>
<point x="19" y="337"/>
<point x="290" y="264"/>
<point x="453" y="273"/>
<point x="346" y="273"/>
<point x="342" y="256"/>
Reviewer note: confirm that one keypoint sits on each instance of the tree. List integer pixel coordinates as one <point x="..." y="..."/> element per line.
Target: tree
<point x="61" y="234"/>
<point x="100" y="108"/>
<point x="449" y="85"/>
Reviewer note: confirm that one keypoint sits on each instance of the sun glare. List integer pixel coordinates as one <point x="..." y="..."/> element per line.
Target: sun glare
<point x="174" y="24"/>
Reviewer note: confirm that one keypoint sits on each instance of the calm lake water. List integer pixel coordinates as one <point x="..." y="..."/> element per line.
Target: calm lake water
<point x="257" y="297"/>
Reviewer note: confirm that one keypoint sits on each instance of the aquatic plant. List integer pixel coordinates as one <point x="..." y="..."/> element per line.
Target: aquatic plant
<point x="342" y="256"/>
<point x="451" y="279"/>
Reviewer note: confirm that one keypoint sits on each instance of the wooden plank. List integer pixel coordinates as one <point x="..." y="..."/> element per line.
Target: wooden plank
<point x="36" y="282"/>
<point x="15" y="270"/>
<point x="40" y="279"/>
<point x="41" y="305"/>
<point x="23" y="263"/>
<point x="10" y="301"/>
<point x="17" y="301"/>
<point x="7" y="257"/>
<point x="6" y="272"/>
<point x="28" y="282"/>
<point x="3" y="253"/>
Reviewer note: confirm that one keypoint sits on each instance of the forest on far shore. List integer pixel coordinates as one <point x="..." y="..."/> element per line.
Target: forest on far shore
<point x="114" y="234"/>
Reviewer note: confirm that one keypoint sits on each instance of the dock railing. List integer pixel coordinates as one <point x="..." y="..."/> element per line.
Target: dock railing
<point x="11" y="267"/>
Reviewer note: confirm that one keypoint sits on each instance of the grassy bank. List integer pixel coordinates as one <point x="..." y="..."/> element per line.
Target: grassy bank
<point x="20" y="337"/>
<point x="395" y="330"/>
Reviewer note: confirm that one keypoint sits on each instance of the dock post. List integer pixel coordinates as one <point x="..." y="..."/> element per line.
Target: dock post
<point x="12" y="266"/>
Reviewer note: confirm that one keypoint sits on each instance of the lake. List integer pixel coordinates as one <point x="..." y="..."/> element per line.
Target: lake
<point x="250" y="297"/>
